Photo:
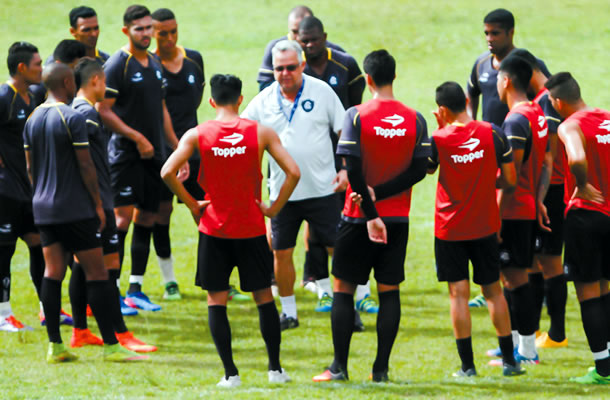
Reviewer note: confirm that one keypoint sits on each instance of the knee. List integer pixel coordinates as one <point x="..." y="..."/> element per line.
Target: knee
<point x="282" y="258"/>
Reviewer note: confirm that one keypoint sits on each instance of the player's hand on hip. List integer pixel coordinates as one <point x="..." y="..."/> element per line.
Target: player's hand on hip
<point x="101" y="216"/>
<point x="184" y="172"/>
<point x="544" y="221"/>
<point x="198" y="209"/>
<point x="340" y="181"/>
<point x="145" y="148"/>
<point x="267" y="211"/>
<point x="355" y="198"/>
<point x="377" y="231"/>
<point x="590" y="193"/>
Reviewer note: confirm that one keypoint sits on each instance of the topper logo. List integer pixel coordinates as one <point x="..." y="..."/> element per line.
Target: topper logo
<point x="394" y="120"/>
<point x="605" y="125"/>
<point x="470" y="144"/>
<point x="233" y="139"/>
<point x="541" y="121"/>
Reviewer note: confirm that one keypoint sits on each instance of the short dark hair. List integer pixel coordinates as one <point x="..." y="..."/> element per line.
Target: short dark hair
<point x="81" y="12"/>
<point x="451" y="95"/>
<point x="527" y="56"/>
<point x="163" y="14"/>
<point x="19" y="52"/>
<point x="518" y="70"/>
<point x="300" y="12"/>
<point x="68" y="50"/>
<point x="86" y="68"/>
<point x="226" y="89"/>
<point x="134" y="12"/>
<point x="563" y="86"/>
<point x="310" y="23"/>
<point x="381" y="66"/>
<point x="502" y="17"/>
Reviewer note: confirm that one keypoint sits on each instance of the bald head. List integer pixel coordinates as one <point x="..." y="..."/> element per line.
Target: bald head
<point x="294" y="19"/>
<point x="58" y="78"/>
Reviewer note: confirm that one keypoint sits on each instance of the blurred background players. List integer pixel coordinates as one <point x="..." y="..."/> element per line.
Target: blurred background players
<point x="135" y="110"/>
<point x="265" y="72"/>
<point x="183" y="72"/>
<point x="467" y="219"/>
<point x="16" y="218"/>
<point x="231" y="221"/>
<point x="586" y="136"/>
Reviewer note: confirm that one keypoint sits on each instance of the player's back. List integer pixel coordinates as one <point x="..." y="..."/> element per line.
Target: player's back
<point x="595" y="126"/>
<point x="231" y="177"/>
<point x="51" y="134"/>
<point x="523" y="204"/>
<point x="466" y="205"/>
<point x="388" y="136"/>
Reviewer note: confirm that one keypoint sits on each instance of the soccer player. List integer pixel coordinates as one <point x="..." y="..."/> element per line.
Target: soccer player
<point x="469" y="154"/>
<point x="67" y="209"/>
<point x="301" y="109"/>
<point x="499" y="27"/>
<point x="135" y="111"/>
<point x="526" y="129"/>
<point x="585" y="134"/>
<point x="549" y="245"/>
<point x="231" y="219"/>
<point x="183" y="71"/>
<point x="341" y="72"/>
<point x="85" y="28"/>
<point x="91" y="81"/>
<point x="265" y="72"/>
<point x="16" y="218"/>
<point x="385" y="146"/>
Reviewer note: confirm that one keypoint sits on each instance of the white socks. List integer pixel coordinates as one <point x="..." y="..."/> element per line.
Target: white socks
<point x="139" y="279"/>
<point x="324" y="287"/>
<point x="289" y="306"/>
<point x="527" y="345"/>
<point x="363" y="290"/>
<point x="167" y="269"/>
<point x="515" y="335"/>
<point x="5" y="310"/>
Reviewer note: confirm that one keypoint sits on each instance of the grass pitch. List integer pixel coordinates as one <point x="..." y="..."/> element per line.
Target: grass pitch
<point x="432" y="42"/>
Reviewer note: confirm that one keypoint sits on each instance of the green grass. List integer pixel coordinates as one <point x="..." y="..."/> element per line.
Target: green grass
<point x="432" y="42"/>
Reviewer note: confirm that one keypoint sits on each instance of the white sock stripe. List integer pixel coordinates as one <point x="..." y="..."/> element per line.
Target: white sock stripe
<point x="600" y="355"/>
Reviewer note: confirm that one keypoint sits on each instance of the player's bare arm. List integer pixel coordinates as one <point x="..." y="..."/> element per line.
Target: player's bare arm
<point x="543" y="187"/>
<point x="172" y="139"/>
<point x="269" y="141"/>
<point x="573" y="140"/>
<point x="186" y="147"/>
<point x="88" y="173"/>
<point x="116" y="124"/>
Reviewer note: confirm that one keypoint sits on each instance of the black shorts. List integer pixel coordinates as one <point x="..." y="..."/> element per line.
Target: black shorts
<point x="138" y="183"/>
<point x="110" y="237"/>
<point x="73" y="236"/>
<point x="217" y="257"/>
<point x="452" y="260"/>
<point x="322" y="214"/>
<point x="190" y="184"/>
<point x="517" y="247"/>
<point x="551" y="243"/>
<point x="355" y="255"/>
<point x="16" y="219"/>
<point x="587" y="237"/>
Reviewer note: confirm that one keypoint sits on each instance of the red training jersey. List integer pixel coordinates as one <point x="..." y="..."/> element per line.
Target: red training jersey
<point x="595" y="126"/>
<point x="231" y="177"/>
<point x="523" y="204"/>
<point x="466" y="206"/>
<point x="553" y="120"/>
<point x="387" y="139"/>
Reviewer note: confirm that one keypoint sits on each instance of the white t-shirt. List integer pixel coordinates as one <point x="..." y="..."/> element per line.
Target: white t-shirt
<point x="306" y="137"/>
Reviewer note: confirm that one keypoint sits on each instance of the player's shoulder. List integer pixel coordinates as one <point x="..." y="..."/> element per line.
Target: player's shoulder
<point x="84" y="107"/>
<point x="341" y="57"/>
<point x="482" y="60"/>
<point x="193" y="56"/>
<point x="102" y="55"/>
<point x="334" y="46"/>
<point x="7" y="93"/>
<point x="273" y="42"/>
<point x="117" y="59"/>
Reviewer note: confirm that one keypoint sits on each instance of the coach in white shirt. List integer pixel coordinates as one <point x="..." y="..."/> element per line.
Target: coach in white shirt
<point x="302" y="110"/>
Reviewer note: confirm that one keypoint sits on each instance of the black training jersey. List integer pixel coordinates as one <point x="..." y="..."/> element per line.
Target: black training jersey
<point x="483" y="80"/>
<point x="265" y="72"/>
<point x="100" y="56"/>
<point x="51" y="135"/>
<point x="14" y="111"/>
<point x="184" y="91"/>
<point x="139" y="92"/>
<point x="98" y="146"/>
<point x="343" y="75"/>
<point x="39" y="93"/>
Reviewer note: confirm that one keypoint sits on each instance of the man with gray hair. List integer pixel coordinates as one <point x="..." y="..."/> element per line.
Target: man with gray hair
<point x="265" y="72"/>
<point x="301" y="109"/>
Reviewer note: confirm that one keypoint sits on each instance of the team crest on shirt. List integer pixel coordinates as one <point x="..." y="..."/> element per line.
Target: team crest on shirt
<point x="137" y="77"/>
<point x="159" y="76"/>
<point x="484" y="77"/>
<point x="21" y="114"/>
<point x="191" y="79"/>
<point x="333" y="81"/>
<point x="307" y="105"/>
